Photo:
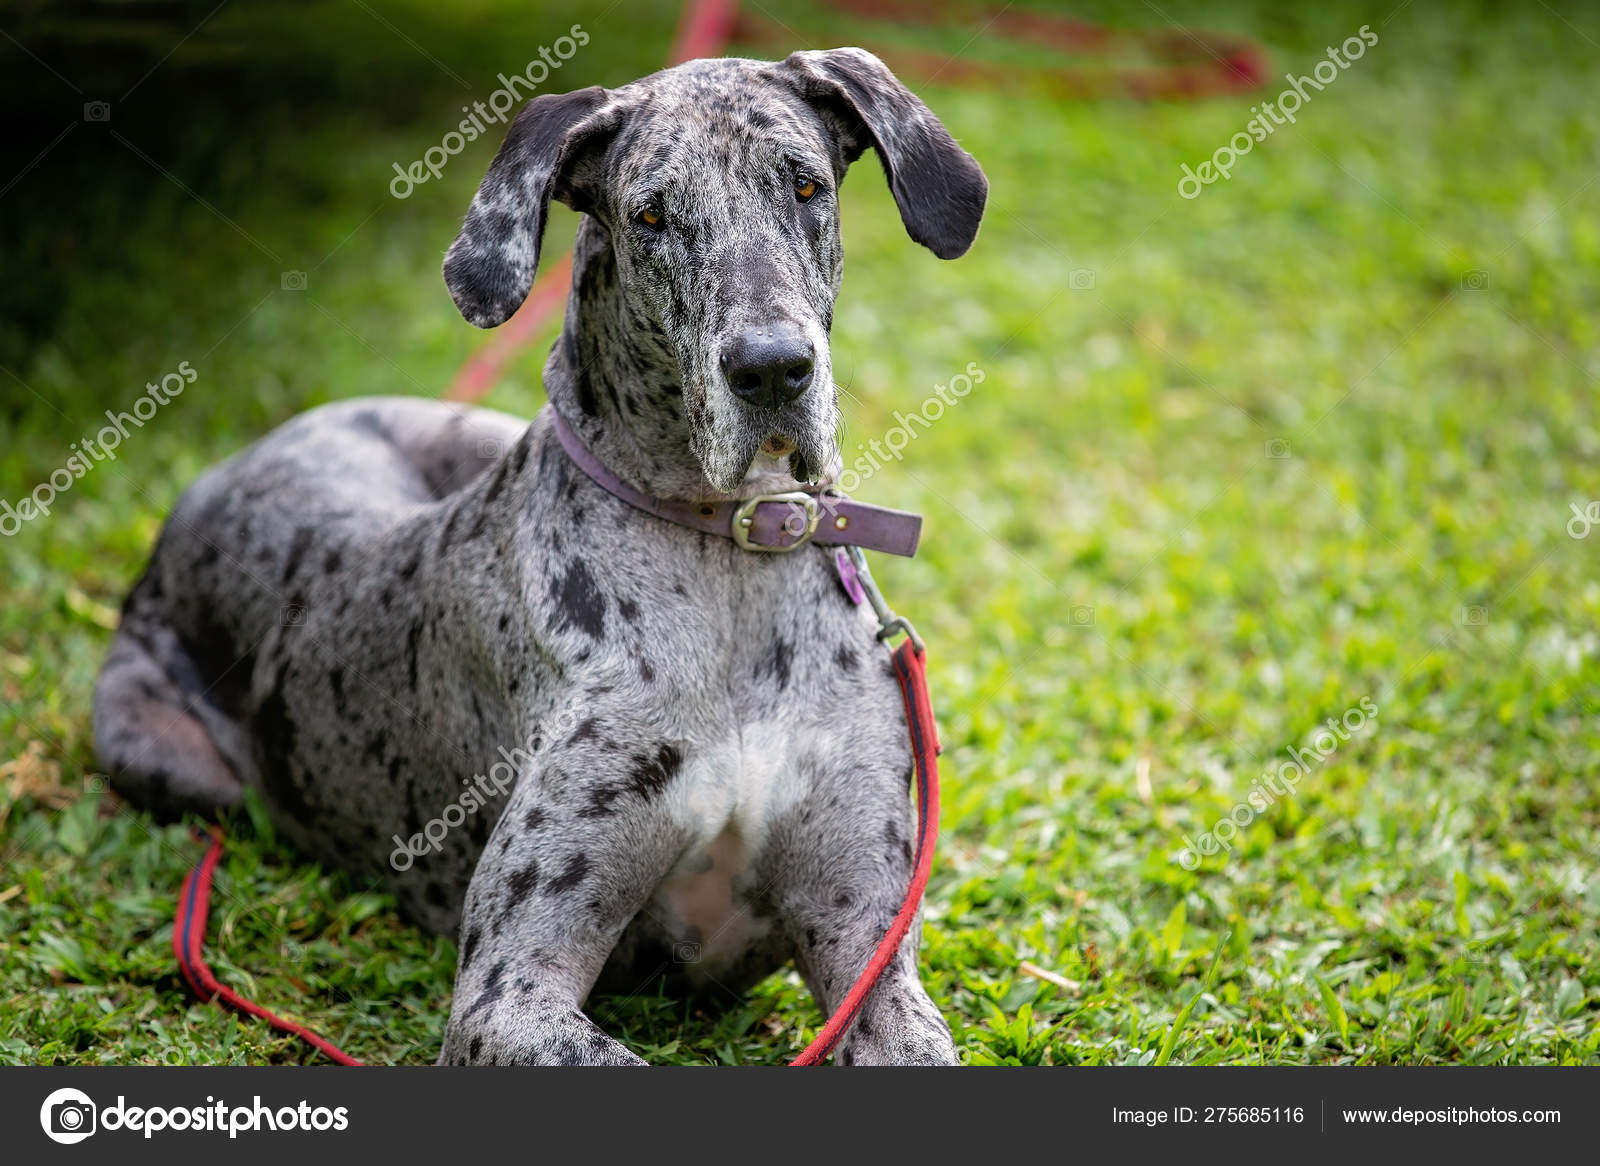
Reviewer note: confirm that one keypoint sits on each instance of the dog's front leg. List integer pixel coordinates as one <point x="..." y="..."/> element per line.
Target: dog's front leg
<point x="582" y="844"/>
<point x="844" y="878"/>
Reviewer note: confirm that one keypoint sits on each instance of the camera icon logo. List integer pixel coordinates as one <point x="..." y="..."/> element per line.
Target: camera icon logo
<point x="1082" y="615"/>
<point x="1475" y="281"/>
<point x="1279" y="447"/>
<point x="1081" y="279"/>
<point x="292" y="615"/>
<point x="68" y="1116"/>
<point x="686" y="951"/>
<point x="293" y="281"/>
<point x="1474" y="616"/>
<point x="97" y="111"/>
<point x="490" y="448"/>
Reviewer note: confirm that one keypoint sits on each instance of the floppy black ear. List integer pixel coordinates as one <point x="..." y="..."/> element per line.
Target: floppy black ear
<point x="490" y="266"/>
<point x="938" y="186"/>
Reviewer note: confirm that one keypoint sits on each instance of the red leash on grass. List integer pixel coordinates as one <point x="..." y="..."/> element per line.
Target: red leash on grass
<point x="189" y="932"/>
<point x="910" y="668"/>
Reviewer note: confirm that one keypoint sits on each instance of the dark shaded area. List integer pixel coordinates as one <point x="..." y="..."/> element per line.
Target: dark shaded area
<point x="108" y="108"/>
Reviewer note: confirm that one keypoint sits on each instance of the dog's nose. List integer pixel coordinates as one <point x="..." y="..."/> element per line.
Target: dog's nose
<point x="769" y="366"/>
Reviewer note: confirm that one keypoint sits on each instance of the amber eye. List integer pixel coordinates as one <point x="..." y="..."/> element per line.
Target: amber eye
<point x="650" y="217"/>
<point x="804" y="188"/>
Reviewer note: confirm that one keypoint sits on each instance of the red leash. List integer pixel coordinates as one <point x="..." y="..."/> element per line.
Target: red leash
<point x="189" y="932"/>
<point x="910" y="668"/>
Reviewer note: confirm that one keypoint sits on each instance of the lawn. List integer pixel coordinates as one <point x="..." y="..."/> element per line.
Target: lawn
<point x="1305" y="447"/>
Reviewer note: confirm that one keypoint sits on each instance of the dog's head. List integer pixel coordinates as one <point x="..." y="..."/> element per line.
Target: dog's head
<point x="716" y="183"/>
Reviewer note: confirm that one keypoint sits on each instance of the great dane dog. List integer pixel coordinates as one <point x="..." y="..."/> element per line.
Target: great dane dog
<point x="701" y="751"/>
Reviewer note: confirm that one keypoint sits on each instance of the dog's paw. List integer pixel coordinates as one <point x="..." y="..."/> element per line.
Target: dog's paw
<point x="557" y="1036"/>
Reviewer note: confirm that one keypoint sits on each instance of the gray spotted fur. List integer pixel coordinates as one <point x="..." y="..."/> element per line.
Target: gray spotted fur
<point x="358" y="613"/>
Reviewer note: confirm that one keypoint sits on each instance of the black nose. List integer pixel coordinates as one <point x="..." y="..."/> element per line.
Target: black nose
<point x="769" y="366"/>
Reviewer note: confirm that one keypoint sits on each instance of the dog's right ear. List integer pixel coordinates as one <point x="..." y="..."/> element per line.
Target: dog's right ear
<point x="490" y="266"/>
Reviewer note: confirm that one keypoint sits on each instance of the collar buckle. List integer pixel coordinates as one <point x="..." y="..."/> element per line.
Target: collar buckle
<point x="805" y="512"/>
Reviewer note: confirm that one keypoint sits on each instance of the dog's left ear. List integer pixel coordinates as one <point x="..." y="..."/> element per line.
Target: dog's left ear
<point x="939" y="187"/>
<point x="490" y="266"/>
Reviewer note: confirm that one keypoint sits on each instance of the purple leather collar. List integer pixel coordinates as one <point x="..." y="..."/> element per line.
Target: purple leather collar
<point x="767" y="522"/>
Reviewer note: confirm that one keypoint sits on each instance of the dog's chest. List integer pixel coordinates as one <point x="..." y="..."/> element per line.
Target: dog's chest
<point x="764" y="682"/>
<point x="729" y="799"/>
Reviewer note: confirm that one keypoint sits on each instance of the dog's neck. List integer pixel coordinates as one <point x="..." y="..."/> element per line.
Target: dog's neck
<point x="612" y="376"/>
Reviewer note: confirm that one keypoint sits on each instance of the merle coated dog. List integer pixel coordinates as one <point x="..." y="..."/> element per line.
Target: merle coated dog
<point x="702" y="751"/>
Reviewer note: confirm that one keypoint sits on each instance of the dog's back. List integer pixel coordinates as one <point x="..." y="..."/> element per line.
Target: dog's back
<point x="232" y="570"/>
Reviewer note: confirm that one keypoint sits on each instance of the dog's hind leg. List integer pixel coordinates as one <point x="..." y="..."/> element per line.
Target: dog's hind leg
<point x="167" y="748"/>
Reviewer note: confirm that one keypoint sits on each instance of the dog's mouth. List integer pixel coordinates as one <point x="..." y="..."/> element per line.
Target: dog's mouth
<point x="778" y="445"/>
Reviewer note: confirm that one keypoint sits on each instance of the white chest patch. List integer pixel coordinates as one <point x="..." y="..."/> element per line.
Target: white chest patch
<point x="726" y="795"/>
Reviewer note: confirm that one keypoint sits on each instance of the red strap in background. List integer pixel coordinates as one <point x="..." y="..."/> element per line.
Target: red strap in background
<point x="1190" y="64"/>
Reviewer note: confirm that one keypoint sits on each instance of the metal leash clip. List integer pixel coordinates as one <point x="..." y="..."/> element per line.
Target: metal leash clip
<point x="889" y="624"/>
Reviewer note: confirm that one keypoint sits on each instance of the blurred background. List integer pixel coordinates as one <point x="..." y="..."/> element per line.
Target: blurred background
<point x="1307" y="445"/>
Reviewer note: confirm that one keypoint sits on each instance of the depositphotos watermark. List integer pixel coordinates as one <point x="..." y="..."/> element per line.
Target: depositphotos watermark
<point x="101" y="447"/>
<point x="1279" y="782"/>
<point x="68" y="1116"/>
<point x="906" y="428"/>
<point x="875" y="454"/>
<point x="1267" y="115"/>
<point x="1583" y="520"/>
<point x="501" y="102"/>
<point x="481" y="789"/>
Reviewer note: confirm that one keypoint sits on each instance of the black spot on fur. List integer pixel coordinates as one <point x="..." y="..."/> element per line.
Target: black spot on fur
<point x="469" y="947"/>
<point x="297" y="551"/>
<point x="629" y="610"/>
<point x="519" y="455"/>
<point x="534" y="818"/>
<point x="778" y="660"/>
<point x="577" y="869"/>
<point x="585" y="731"/>
<point x="498" y="484"/>
<point x="651" y="773"/>
<point x="521" y="883"/>
<point x="275" y="729"/>
<point x="846" y="658"/>
<point x="412" y="636"/>
<point x="492" y="991"/>
<point x="579" y="601"/>
<point x="601" y="800"/>
<point x="646" y="673"/>
<point x="332" y="561"/>
<point x="584" y="391"/>
<point x="475" y="1048"/>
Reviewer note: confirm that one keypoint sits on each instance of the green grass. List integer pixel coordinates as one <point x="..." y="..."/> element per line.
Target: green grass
<point x="1133" y="610"/>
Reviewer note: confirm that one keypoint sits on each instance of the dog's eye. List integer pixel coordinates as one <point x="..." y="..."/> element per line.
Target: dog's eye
<point x="650" y="216"/>
<point x="804" y="188"/>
